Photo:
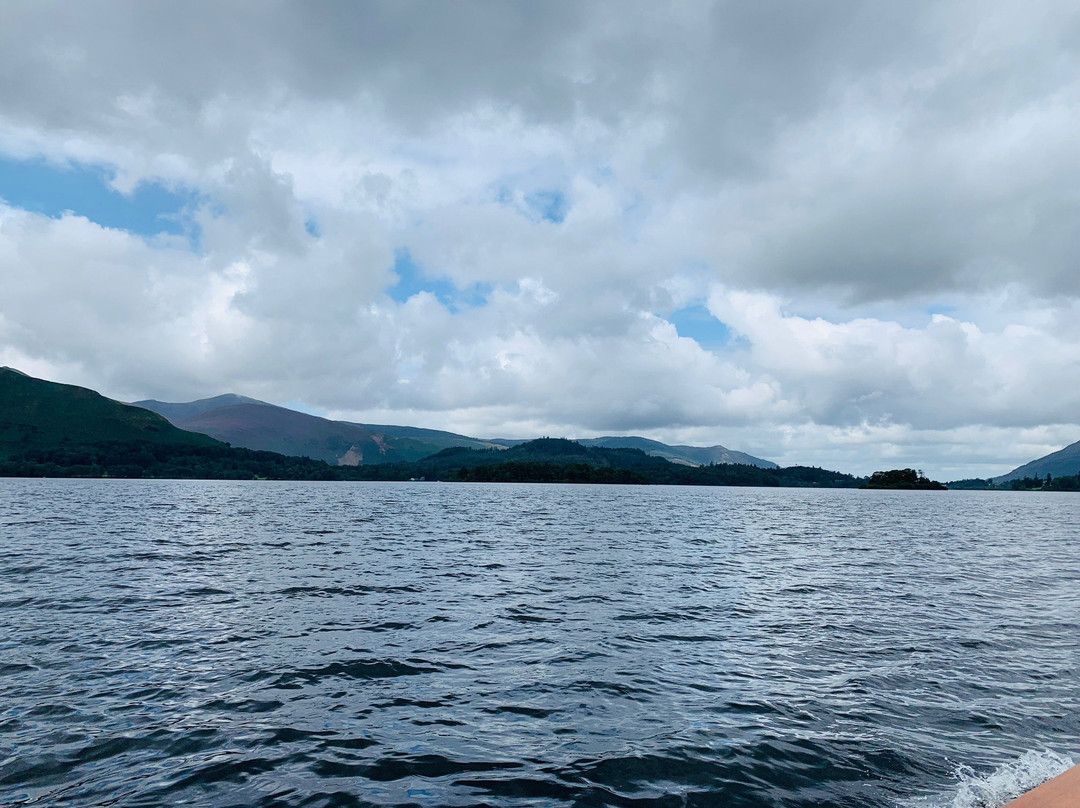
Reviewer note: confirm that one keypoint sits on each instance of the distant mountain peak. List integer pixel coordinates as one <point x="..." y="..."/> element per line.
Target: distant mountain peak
<point x="224" y="400"/>
<point x="686" y="455"/>
<point x="175" y="411"/>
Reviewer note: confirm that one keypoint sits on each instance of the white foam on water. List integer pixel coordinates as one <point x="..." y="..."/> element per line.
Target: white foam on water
<point x="1007" y="782"/>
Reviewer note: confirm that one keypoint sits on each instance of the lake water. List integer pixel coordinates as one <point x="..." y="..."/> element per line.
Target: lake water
<point x="341" y="644"/>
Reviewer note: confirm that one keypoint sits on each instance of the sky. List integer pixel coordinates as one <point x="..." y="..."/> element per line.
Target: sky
<point x="834" y="233"/>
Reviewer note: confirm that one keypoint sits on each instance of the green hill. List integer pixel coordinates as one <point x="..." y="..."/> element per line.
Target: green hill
<point x="37" y="414"/>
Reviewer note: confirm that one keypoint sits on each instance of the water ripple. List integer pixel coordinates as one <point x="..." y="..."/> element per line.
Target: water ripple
<point x="281" y="644"/>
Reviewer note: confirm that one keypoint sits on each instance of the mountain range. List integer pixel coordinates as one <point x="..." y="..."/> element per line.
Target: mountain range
<point x="252" y="424"/>
<point x="57" y="430"/>
<point x="38" y="416"/>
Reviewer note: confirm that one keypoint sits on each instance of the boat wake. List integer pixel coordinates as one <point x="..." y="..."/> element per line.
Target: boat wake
<point x="1007" y="782"/>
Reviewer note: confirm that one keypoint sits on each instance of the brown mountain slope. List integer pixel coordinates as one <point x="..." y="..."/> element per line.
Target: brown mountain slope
<point x="277" y="429"/>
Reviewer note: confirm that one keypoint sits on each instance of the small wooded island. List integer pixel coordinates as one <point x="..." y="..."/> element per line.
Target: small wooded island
<point x="904" y="479"/>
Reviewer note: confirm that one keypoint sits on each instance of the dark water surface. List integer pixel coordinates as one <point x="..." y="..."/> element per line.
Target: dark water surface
<point x="307" y="644"/>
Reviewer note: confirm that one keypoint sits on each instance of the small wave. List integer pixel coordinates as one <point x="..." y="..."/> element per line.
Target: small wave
<point x="351" y="669"/>
<point x="25" y="569"/>
<point x="1007" y="782"/>
<point x="200" y="591"/>
<point x="388" y="769"/>
<point x="346" y="591"/>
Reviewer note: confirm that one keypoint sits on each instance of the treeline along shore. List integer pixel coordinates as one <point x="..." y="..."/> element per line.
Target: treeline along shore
<point x="544" y="460"/>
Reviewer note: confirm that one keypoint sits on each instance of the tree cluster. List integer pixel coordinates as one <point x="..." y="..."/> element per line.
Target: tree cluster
<point x="972" y="484"/>
<point x="558" y="460"/>
<point x="133" y="459"/>
<point x="906" y="479"/>
<point x="1049" y="483"/>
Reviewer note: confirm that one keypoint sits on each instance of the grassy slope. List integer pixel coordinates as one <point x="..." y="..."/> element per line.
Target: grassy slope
<point x="37" y="414"/>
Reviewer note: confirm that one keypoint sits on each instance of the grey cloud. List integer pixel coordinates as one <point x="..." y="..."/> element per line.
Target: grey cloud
<point x="733" y="87"/>
<point x="725" y="64"/>
<point x="930" y="223"/>
<point x="68" y="63"/>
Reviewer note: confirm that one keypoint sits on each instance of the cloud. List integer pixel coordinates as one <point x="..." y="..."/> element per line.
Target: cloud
<point x="877" y="205"/>
<point x="946" y="374"/>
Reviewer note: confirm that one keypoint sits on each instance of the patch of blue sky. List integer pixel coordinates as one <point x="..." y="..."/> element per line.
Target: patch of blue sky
<point x="635" y="212"/>
<point x="412" y="280"/>
<point x="52" y="190"/>
<point x="300" y="406"/>
<point x="311" y="225"/>
<point x="697" y="323"/>
<point x="541" y="205"/>
<point x="941" y="308"/>
<point x="550" y="205"/>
